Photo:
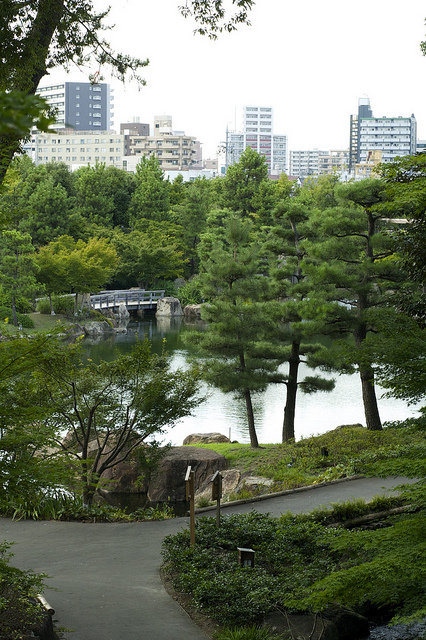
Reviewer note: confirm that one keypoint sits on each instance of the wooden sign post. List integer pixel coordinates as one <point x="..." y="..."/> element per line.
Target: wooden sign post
<point x="190" y="496"/>
<point x="217" y="493"/>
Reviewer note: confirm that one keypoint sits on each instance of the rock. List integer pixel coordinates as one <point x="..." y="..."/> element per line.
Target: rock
<point x="350" y="625"/>
<point x="192" y="311"/>
<point x="123" y="314"/>
<point x="168" y="482"/>
<point x="97" y="328"/>
<point x="205" y="438"/>
<point x="301" y="626"/>
<point x="124" y="478"/>
<point x="230" y="480"/>
<point x="169" y="307"/>
<point x="357" y="425"/>
<point x="255" y="484"/>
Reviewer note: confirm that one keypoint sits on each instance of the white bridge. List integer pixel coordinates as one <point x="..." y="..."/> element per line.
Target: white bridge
<point x="133" y="299"/>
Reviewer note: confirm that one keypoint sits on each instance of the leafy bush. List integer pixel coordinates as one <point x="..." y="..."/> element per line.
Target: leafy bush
<point x="289" y="555"/>
<point x="190" y="293"/>
<point x="63" y="305"/>
<point x="23" y="320"/>
<point x="20" y="614"/>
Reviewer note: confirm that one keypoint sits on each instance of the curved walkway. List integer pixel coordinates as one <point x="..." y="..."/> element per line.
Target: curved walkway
<point x="104" y="580"/>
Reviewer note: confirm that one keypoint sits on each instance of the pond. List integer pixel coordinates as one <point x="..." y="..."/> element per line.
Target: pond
<point x="221" y="412"/>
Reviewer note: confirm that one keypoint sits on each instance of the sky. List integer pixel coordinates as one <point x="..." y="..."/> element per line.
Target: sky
<point x="311" y="61"/>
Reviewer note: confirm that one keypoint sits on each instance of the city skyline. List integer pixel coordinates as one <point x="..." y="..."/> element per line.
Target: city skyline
<point x="310" y="66"/>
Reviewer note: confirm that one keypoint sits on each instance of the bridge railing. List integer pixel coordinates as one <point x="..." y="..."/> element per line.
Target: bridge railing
<point x="135" y="298"/>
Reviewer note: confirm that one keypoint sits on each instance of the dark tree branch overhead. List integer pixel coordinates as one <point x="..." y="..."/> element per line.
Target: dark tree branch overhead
<point x="40" y="35"/>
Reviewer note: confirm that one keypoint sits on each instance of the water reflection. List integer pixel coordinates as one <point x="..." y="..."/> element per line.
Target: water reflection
<point x="221" y="412"/>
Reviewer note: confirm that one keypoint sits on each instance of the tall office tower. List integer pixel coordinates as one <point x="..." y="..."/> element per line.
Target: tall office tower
<point x="258" y="134"/>
<point x="394" y="136"/>
<point x="81" y="106"/>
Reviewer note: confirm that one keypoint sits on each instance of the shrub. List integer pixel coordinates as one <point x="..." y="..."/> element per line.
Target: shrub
<point x="20" y="613"/>
<point x="244" y="633"/>
<point x="190" y="293"/>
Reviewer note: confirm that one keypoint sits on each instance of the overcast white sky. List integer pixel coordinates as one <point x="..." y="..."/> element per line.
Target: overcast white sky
<point x="309" y="60"/>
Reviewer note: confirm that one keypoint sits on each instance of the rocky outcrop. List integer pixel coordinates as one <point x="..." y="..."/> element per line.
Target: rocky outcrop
<point x="95" y="328"/>
<point x="335" y="623"/>
<point x="192" y="311"/>
<point x="124" y="478"/>
<point x="169" y="307"/>
<point x="205" y="438"/>
<point x="350" y="625"/>
<point x="300" y="626"/>
<point x="168" y="482"/>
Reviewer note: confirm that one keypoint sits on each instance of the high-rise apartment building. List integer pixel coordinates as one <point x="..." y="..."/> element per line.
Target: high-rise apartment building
<point x="394" y="136"/>
<point x="81" y="106"/>
<point x="258" y="134"/>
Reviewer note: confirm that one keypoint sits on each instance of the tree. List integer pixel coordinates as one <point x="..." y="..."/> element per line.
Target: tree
<point x="246" y="186"/>
<point x="146" y="256"/>
<point x="241" y="358"/>
<point x="81" y="267"/>
<point x="151" y="197"/>
<point x="104" y="195"/>
<point x="293" y="290"/>
<point x="49" y="213"/>
<point x="27" y="469"/>
<point x="17" y="267"/>
<point x="191" y="214"/>
<point x="111" y="408"/>
<point x="351" y="262"/>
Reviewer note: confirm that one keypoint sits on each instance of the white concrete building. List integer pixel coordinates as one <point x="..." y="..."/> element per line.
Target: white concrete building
<point x="77" y="148"/>
<point x="393" y="136"/>
<point x="258" y="134"/>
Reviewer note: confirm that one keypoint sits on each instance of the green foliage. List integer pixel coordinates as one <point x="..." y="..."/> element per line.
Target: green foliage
<point x="383" y="567"/>
<point x="120" y="405"/>
<point x="190" y="292"/>
<point x="17" y="267"/>
<point x="21" y="111"/>
<point x="63" y="305"/>
<point x="20" y="614"/>
<point x="25" y="321"/>
<point x="104" y="194"/>
<point x="146" y="256"/>
<point x="151" y="196"/>
<point x="240" y="358"/>
<point x="288" y="555"/>
<point x="244" y="633"/>
<point x="246" y="188"/>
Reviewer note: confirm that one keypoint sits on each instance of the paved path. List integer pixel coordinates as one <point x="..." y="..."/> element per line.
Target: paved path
<point x="104" y="578"/>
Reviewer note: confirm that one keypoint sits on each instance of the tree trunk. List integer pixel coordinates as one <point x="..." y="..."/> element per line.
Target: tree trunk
<point x="371" y="410"/>
<point x="27" y="76"/>
<point x="15" y="317"/>
<point x="250" y="419"/>
<point x="290" y="406"/>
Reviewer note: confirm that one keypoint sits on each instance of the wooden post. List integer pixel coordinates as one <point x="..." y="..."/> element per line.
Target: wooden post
<point x="217" y="494"/>
<point x="190" y="491"/>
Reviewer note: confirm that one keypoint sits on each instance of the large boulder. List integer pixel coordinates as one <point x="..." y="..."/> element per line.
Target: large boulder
<point x="124" y="477"/>
<point x="168" y="482"/>
<point x="350" y="624"/>
<point x="231" y="479"/>
<point x="97" y="328"/>
<point x="169" y="307"/>
<point x="192" y="311"/>
<point x="300" y="626"/>
<point x="205" y="438"/>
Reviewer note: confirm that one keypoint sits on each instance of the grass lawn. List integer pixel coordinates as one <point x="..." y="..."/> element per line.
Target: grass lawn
<point x="350" y="450"/>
